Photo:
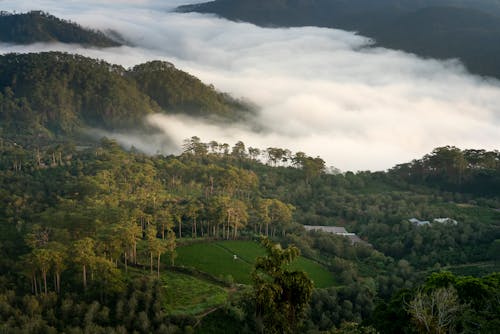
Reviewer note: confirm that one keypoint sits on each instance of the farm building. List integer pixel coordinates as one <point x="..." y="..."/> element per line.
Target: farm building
<point x="338" y="231"/>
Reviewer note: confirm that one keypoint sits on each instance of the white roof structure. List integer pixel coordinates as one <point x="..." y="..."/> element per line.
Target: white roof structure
<point x="419" y="222"/>
<point x="329" y="229"/>
<point x="445" y="221"/>
<point x="337" y="230"/>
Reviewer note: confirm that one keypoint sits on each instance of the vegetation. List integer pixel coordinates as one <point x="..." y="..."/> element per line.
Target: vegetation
<point x="431" y="28"/>
<point x="281" y="295"/>
<point x="444" y="303"/>
<point x="88" y="223"/>
<point x="37" y="26"/>
<point x="187" y="295"/>
<point x="98" y="239"/>
<point x="234" y="260"/>
<point x="181" y="92"/>
<point x="53" y="94"/>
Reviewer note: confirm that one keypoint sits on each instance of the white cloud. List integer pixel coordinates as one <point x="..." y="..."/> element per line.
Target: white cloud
<point x="320" y="90"/>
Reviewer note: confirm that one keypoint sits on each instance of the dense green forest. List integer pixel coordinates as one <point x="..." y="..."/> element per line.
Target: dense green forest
<point x="430" y="28"/>
<point x="50" y="94"/>
<point x="90" y="236"/>
<point x="37" y="26"/>
<point x="95" y="238"/>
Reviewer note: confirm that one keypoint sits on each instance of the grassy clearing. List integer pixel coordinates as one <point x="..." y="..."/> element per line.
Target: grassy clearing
<point x="321" y="277"/>
<point x="185" y="294"/>
<point x="217" y="258"/>
<point x="479" y="269"/>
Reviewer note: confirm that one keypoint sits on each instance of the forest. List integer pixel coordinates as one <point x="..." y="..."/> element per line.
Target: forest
<point x="100" y="238"/>
<point x="54" y="93"/>
<point x="90" y="238"/>
<point x="38" y="26"/>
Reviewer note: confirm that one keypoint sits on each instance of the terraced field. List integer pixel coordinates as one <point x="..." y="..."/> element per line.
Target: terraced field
<point x="186" y="294"/>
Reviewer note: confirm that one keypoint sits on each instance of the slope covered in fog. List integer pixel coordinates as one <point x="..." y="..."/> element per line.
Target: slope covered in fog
<point x="468" y="30"/>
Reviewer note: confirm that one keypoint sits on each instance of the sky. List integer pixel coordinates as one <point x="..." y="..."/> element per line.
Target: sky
<point x="325" y="92"/>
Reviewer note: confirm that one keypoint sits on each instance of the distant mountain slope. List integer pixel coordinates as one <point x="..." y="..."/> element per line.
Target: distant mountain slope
<point x="37" y="26"/>
<point x="57" y="93"/>
<point x="465" y="29"/>
<point x="179" y="91"/>
<point x="447" y="32"/>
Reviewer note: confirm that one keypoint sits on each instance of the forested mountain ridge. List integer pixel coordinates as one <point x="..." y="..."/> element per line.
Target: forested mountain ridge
<point x="56" y="93"/>
<point x="179" y="91"/>
<point x="37" y="26"/>
<point x="440" y="29"/>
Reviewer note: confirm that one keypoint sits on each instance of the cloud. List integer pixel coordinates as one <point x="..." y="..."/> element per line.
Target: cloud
<point x="322" y="91"/>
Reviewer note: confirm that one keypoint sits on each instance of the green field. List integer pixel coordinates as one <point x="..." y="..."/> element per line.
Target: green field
<point x="474" y="269"/>
<point x="186" y="294"/>
<point x="217" y="259"/>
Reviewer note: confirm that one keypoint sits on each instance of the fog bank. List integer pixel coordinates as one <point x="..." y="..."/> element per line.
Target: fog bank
<point x="321" y="91"/>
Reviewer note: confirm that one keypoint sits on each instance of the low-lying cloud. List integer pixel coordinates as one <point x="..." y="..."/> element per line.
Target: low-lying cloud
<point x="322" y="91"/>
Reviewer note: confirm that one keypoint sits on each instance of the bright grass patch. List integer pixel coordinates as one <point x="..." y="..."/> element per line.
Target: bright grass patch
<point x="185" y="294"/>
<point x="218" y="259"/>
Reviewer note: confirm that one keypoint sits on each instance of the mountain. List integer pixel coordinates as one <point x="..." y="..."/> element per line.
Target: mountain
<point x="38" y="26"/>
<point x="57" y="93"/>
<point x="179" y="91"/>
<point x="464" y="29"/>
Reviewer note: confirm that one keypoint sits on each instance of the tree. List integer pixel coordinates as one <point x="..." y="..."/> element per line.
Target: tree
<point x="58" y="257"/>
<point x="281" y="295"/>
<point x="495" y="251"/>
<point x="435" y="312"/>
<point x="42" y="260"/>
<point x="130" y="232"/>
<point x="156" y="247"/>
<point x="281" y="215"/>
<point x="263" y="214"/>
<point x="170" y="246"/>
<point x="84" y="255"/>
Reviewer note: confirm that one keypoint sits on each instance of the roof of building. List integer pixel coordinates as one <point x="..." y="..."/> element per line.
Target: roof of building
<point x="330" y="229"/>
<point x="419" y="222"/>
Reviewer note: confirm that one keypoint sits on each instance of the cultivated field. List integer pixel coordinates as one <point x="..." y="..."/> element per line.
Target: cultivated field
<point x="218" y="259"/>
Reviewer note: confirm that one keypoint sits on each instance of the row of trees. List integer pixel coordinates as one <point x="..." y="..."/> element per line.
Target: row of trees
<point x="471" y="170"/>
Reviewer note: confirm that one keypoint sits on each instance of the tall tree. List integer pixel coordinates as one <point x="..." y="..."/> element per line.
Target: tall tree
<point x="281" y="295"/>
<point x="84" y="255"/>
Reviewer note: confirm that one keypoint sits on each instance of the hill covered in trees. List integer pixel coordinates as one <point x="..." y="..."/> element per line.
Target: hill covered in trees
<point x="37" y="26"/>
<point x="89" y="238"/>
<point x="98" y="239"/>
<point x="54" y="93"/>
<point x="462" y="29"/>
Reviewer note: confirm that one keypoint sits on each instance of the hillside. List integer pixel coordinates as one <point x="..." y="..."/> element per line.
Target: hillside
<point x="37" y="26"/>
<point x="116" y="240"/>
<point x="54" y="93"/>
<point x="180" y="92"/>
<point x="218" y="259"/>
<point x="467" y="30"/>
